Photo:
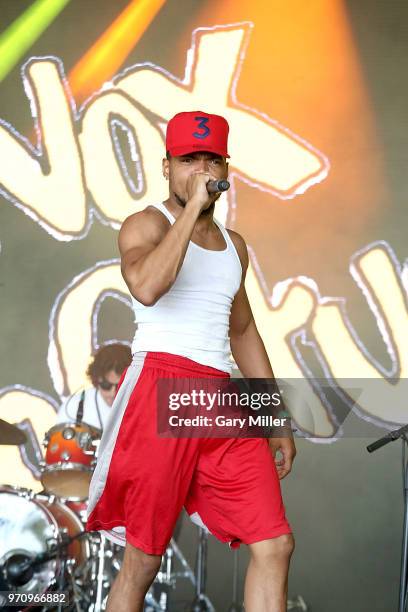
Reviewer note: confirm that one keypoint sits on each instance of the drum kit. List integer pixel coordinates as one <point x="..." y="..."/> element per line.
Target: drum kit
<point x="44" y="547"/>
<point x="45" y="550"/>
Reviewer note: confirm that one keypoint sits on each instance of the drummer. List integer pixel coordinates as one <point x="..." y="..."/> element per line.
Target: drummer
<point x="92" y="405"/>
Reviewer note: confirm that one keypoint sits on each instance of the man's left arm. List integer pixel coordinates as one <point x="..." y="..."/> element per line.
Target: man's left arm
<point x="251" y="357"/>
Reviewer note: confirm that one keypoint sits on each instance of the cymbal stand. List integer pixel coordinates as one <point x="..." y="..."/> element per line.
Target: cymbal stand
<point x="235" y="606"/>
<point x="201" y="602"/>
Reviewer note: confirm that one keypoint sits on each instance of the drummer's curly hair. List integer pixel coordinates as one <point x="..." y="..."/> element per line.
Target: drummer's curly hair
<point x="114" y="357"/>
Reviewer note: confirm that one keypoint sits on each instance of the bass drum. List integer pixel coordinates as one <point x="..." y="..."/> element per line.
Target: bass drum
<point x="31" y="525"/>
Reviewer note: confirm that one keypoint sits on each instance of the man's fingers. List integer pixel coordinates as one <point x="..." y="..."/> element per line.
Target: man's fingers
<point x="283" y="471"/>
<point x="283" y="452"/>
<point x="283" y="466"/>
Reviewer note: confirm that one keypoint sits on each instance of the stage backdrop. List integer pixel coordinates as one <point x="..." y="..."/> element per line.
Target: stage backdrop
<point x="314" y="93"/>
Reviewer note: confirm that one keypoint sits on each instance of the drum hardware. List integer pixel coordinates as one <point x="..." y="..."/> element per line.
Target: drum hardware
<point x="21" y="564"/>
<point x="40" y="541"/>
<point x="19" y="568"/>
<point x="85" y="441"/>
<point x="44" y="548"/>
<point x="297" y="604"/>
<point x="68" y="433"/>
<point x="201" y="602"/>
<point x="23" y="492"/>
<point x="75" y="588"/>
<point x="62" y="556"/>
<point x="105" y="562"/>
<point x="89" y="578"/>
<point x="165" y="581"/>
<point x="100" y="578"/>
<point x="235" y="606"/>
<point x="103" y="566"/>
<point x="159" y="595"/>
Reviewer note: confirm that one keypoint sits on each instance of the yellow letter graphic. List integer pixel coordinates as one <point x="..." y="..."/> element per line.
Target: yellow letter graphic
<point x="49" y="188"/>
<point x="70" y="346"/>
<point x="375" y="272"/>
<point x="283" y="164"/>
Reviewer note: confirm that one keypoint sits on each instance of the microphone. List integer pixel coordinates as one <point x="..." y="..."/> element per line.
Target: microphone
<point x="217" y="186"/>
<point x="20" y="567"/>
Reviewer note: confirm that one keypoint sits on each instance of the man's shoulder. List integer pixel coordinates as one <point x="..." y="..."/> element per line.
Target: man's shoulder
<point x="149" y="222"/>
<point x="240" y="245"/>
<point x="149" y="215"/>
<point x="235" y="237"/>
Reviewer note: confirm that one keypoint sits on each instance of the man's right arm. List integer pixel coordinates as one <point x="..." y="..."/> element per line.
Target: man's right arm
<point x="152" y="255"/>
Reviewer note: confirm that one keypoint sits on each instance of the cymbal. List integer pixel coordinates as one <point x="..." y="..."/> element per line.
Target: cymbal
<point x="10" y="434"/>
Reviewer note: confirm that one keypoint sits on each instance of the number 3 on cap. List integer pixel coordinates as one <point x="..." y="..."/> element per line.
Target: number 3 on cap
<point x="202" y="121"/>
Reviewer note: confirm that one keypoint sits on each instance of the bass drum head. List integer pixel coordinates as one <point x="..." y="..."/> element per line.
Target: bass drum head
<point x="30" y="524"/>
<point x="27" y="529"/>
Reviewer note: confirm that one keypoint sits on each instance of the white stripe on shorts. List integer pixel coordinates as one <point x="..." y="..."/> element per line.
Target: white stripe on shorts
<point x="111" y="430"/>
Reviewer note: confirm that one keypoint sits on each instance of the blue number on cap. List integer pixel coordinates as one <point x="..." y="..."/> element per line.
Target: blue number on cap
<point x="202" y="121"/>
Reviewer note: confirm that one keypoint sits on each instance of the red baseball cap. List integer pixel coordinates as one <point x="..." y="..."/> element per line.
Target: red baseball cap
<point x="193" y="131"/>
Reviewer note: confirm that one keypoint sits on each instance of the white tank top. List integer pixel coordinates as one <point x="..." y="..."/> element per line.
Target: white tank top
<point x="192" y="318"/>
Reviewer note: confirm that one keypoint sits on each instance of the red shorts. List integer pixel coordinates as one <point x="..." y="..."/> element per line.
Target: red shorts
<point x="142" y="481"/>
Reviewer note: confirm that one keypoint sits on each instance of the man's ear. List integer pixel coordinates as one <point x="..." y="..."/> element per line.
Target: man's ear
<point x="165" y="168"/>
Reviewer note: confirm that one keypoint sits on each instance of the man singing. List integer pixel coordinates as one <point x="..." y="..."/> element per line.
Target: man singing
<point x="186" y="273"/>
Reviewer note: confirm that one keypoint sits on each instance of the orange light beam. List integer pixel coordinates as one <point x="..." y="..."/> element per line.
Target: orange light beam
<point x="111" y="49"/>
